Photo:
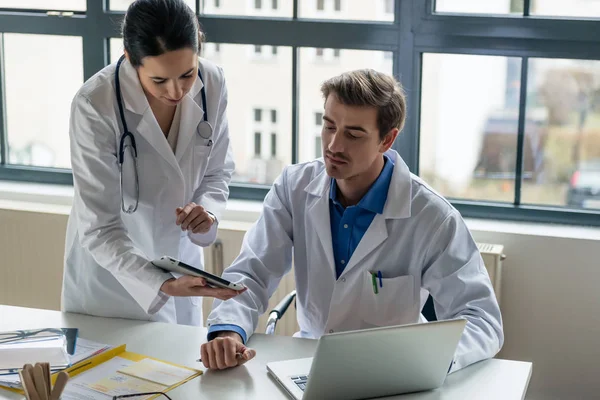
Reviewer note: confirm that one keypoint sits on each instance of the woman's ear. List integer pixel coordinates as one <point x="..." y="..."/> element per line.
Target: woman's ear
<point x="126" y="55"/>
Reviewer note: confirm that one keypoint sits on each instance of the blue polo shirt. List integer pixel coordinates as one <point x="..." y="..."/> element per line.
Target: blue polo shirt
<point x="349" y="224"/>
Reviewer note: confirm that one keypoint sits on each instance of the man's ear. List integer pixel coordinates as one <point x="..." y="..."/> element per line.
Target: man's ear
<point x="388" y="140"/>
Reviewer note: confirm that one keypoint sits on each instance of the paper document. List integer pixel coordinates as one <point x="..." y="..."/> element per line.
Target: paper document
<point x="52" y="350"/>
<point x="84" y="350"/>
<point x="158" y="372"/>
<point x="104" y="381"/>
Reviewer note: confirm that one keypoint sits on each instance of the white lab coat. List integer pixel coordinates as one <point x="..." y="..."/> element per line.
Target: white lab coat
<point x="108" y="252"/>
<point x="420" y="244"/>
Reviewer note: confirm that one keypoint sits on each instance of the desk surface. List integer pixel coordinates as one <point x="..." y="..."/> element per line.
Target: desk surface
<point x="491" y="379"/>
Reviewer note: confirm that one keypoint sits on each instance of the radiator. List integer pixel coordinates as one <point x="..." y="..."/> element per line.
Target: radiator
<point x="493" y="255"/>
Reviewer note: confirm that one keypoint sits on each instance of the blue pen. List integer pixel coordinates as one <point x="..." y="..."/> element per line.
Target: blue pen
<point x="380" y="278"/>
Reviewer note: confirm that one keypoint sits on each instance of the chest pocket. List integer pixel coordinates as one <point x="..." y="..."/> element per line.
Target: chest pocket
<point x="393" y="304"/>
<point x="200" y="161"/>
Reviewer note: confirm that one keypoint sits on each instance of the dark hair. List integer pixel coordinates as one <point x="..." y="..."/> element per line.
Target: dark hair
<point x="154" y="27"/>
<point x="367" y="87"/>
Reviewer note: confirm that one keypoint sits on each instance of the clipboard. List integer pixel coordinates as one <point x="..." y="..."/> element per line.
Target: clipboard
<point x="119" y="351"/>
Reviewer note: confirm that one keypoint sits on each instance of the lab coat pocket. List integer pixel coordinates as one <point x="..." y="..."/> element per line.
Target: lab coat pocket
<point x="392" y="304"/>
<point x="200" y="162"/>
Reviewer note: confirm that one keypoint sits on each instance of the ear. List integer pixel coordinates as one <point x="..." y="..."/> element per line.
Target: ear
<point x="388" y="140"/>
<point x="126" y="55"/>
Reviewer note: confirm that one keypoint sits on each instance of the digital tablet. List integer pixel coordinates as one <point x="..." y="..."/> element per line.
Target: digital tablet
<point x="172" y="265"/>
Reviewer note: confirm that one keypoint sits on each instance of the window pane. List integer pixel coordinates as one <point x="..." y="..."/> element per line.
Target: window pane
<point x="469" y="124"/>
<point x="377" y="10"/>
<point x="273" y="145"/>
<point x="313" y="72"/>
<point x="121" y="5"/>
<point x="562" y="147"/>
<point x="254" y="8"/>
<point x="38" y="125"/>
<point x="573" y="8"/>
<point x="256" y="107"/>
<point x="74" y="5"/>
<point x="480" y="7"/>
<point x="116" y="49"/>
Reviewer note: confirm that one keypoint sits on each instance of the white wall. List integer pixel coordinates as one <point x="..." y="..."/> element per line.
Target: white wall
<point x="550" y="298"/>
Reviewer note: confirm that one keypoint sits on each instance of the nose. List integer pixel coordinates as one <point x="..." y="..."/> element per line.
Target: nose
<point x="176" y="91"/>
<point x="336" y="143"/>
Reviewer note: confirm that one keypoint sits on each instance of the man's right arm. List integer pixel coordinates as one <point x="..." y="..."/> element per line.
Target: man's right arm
<point x="266" y="256"/>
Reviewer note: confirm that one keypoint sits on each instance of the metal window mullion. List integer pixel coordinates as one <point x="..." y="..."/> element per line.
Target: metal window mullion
<point x="406" y="69"/>
<point x="295" y="111"/>
<point x="295" y="9"/>
<point x="521" y="130"/>
<point x="526" y="8"/>
<point x="3" y="130"/>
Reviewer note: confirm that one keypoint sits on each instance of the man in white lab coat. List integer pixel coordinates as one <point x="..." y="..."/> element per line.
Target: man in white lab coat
<point x="358" y="214"/>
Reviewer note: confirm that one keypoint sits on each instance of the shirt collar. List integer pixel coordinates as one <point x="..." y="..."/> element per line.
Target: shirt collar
<point x="374" y="199"/>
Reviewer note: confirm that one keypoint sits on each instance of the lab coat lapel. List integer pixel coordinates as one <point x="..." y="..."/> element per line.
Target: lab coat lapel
<point x="135" y="102"/>
<point x="191" y="115"/>
<point x="397" y="206"/>
<point x="318" y="214"/>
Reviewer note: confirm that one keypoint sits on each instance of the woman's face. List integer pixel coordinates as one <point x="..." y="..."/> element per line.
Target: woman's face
<point x="170" y="76"/>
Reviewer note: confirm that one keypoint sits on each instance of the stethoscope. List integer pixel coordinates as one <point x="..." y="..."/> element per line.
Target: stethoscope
<point x="127" y="140"/>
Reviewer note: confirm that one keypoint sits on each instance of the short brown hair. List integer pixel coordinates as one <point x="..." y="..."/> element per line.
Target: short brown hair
<point x="367" y="87"/>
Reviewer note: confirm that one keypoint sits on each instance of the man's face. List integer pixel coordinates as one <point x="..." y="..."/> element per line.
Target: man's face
<point x="350" y="137"/>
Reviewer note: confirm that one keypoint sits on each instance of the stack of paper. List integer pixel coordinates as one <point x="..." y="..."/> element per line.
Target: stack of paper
<point x="84" y="349"/>
<point x="28" y="347"/>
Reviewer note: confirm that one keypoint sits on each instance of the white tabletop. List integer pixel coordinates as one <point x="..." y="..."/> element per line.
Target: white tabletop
<point x="491" y="379"/>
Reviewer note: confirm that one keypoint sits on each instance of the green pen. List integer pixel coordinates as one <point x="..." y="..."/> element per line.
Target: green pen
<point x="374" y="278"/>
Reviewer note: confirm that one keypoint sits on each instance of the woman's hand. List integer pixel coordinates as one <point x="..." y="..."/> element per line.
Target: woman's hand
<point x="194" y="218"/>
<point x="188" y="286"/>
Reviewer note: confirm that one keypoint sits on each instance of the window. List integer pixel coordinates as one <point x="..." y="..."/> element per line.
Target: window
<point x="389" y="6"/>
<point x="257" y="144"/>
<point x="318" y="147"/>
<point x="463" y="102"/>
<point x="120" y="5"/>
<point x="257" y="114"/>
<point x="71" y="5"/>
<point x="503" y="95"/>
<point x="318" y="119"/>
<point x="273" y="145"/>
<point x="37" y="126"/>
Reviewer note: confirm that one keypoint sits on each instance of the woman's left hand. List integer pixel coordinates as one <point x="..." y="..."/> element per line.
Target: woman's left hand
<point x="194" y="218"/>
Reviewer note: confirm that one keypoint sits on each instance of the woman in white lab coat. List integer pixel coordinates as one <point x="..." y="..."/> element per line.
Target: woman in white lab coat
<point x="151" y="159"/>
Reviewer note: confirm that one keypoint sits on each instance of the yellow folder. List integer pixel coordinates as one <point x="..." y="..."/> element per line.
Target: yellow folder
<point x="119" y="351"/>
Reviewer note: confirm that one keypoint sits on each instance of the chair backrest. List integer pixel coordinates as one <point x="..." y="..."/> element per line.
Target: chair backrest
<point x="428" y="310"/>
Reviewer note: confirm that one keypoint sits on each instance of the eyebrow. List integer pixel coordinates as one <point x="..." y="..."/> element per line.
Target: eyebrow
<point x="161" y="78"/>
<point x="350" y="128"/>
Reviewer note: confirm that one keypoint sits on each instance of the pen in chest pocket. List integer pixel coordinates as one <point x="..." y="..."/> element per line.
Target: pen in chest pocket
<point x="374" y="277"/>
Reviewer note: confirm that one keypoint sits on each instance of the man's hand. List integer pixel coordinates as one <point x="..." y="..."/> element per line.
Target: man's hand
<point x="188" y="286"/>
<point x="227" y="350"/>
<point x="194" y="217"/>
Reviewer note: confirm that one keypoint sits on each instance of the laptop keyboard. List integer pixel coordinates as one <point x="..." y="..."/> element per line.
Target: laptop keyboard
<point x="300" y="381"/>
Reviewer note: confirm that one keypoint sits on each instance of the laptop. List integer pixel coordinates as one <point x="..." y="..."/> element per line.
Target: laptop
<point x="373" y="362"/>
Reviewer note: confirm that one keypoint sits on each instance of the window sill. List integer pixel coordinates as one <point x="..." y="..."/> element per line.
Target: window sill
<point x="241" y="214"/>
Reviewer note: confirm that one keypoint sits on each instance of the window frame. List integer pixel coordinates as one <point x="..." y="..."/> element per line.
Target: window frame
<point x="416" y="29"/>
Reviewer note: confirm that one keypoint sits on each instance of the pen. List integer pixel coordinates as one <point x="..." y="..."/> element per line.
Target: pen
<point x="380" y="278"/>
<point x="374" y="278"/>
